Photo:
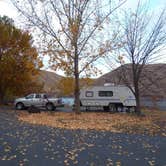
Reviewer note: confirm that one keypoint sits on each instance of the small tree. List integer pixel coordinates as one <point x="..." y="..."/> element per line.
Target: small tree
<point x="74" y="31"/>
<point x="19" y="61"/>
<point x="144" y="41"/>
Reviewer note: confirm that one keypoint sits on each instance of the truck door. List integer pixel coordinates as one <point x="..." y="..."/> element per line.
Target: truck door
<point x="37" y="100"/>
<point x="29" y="100"/>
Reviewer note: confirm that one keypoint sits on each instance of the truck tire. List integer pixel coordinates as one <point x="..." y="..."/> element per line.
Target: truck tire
<point x="50" y="107"/>
<point x="19" y="106"/>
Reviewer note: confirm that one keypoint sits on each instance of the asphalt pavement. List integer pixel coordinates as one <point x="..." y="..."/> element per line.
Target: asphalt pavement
<point x="33" y="145"/>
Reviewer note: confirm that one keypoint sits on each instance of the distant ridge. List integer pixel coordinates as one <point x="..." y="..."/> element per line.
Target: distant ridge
<point x="153" y="80"/>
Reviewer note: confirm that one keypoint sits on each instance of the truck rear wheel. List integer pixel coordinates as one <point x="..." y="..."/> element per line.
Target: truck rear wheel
<point x="50" y="107"/>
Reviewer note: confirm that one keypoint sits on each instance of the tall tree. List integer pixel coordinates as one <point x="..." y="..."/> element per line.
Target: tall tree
<point x="74" y="31"/>
<point x="144" y="40"/>
<point x="19" y="60"/>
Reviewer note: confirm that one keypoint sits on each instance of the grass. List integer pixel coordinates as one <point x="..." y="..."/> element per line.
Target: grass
<point x="154" y="122"/>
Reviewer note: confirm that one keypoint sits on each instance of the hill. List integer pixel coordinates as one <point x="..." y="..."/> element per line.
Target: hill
<point x="49" y="80"/>
<point x="152" y="82"/>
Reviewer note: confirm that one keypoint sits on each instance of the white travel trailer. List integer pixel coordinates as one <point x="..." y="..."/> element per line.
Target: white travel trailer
<point x="109" y="96"/>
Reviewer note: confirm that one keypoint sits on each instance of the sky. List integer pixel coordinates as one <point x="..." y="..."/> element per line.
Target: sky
<point x="6" y="8"/>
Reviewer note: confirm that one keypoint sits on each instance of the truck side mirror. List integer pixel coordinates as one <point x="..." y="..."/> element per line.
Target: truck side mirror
<point x="44" y="97"/>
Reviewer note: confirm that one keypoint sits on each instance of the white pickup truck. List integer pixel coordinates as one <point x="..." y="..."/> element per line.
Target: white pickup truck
<point x="38" y="100"/>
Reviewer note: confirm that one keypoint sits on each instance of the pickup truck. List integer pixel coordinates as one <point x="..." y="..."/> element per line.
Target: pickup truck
<point x="38" y="100"/>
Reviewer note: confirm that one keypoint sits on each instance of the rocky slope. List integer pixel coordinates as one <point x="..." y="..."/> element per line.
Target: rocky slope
<point x="49" y="80"/>
<point x="152" y="82"/>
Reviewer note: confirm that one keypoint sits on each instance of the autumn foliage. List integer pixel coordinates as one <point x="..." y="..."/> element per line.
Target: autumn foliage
<point x="153" y="123"/>
<point x="19" y="60"/>
<point x="66" y="85"/>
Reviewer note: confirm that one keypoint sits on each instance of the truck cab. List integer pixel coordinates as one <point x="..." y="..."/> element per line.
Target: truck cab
<point x="37" y="100"/>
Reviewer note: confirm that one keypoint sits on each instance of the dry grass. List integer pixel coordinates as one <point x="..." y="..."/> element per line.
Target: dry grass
<point x="154" y="123"/>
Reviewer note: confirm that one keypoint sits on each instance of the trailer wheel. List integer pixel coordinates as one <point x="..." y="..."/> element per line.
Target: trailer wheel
<point x="106" y="108"/>
<point x="132" y="109"/>
<point x="120" y="109"/>
<point x="112" y="108"/>
<point x="87" y="108"/>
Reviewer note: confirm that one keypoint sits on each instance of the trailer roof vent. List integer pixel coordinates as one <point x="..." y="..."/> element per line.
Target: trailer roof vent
<point x="109" y="84"/>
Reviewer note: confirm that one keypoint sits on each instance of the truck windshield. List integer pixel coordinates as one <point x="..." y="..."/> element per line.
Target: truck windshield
<point x="30" y="96"/>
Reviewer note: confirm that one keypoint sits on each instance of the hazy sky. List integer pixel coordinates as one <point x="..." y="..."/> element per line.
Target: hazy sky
<point x="6" y="8"/>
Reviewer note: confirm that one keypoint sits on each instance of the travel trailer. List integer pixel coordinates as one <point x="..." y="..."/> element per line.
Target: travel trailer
<point x="110" y="97"/>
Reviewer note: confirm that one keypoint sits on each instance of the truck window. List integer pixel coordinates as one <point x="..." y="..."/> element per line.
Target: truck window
<point x="30" y="96"/>
<point x="89" y="93"/>
<point x="38" y="96"/>
<point x="105" y="93"/>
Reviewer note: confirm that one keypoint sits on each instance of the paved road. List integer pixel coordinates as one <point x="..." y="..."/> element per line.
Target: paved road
<point x="29" y="145"/>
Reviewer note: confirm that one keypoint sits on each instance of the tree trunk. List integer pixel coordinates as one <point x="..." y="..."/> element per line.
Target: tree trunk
<point x="137" y="97"/>
<point x="1" y="98"/>
<point x="77" y="89"/>
<point x="136" y="87"/>
<point x="77" y="95"/>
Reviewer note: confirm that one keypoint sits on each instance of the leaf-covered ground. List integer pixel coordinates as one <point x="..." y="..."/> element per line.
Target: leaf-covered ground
<point x="153" y="123"/>
<point x="39" y="145"/>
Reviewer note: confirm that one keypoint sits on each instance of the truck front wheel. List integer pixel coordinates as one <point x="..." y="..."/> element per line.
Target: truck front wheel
<point x="19" y="106"/>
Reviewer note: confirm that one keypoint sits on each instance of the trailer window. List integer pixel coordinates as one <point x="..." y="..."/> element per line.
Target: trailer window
<point x="89" y="93"/>
<point x="105" y="93"/>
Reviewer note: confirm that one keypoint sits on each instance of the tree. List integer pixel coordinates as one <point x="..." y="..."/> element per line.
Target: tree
<point x="74" y="31"/>
<point x="19" y="60"/>
<point x="66" y="85"/>
<point x="144" y="39"/>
